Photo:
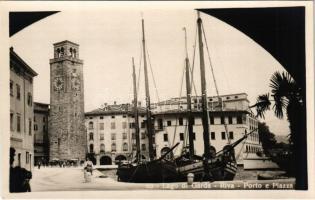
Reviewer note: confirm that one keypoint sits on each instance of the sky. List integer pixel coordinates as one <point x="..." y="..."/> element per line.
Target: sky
<point x="109" y="38"/>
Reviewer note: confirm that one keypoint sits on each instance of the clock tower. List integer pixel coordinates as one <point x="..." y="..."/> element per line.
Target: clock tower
<point x="67" y="135"/>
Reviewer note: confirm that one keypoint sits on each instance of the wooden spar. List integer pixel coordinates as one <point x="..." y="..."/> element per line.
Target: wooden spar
<point x="135" y="110"/>
<point x="205" y="120"/>
<point x="147" y="98"/>
<point x="188" y="96"/>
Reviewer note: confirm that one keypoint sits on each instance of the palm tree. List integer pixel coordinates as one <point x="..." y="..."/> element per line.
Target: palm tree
<point x="286" y="97"/>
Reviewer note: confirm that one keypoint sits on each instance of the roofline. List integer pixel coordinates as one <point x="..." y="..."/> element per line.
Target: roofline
<point x="27" y="67"/>
<point x="39" y="103"/>
<point x="65" y="41"/>
<point x="176" y="112"/>
<point x="213" y="96"/>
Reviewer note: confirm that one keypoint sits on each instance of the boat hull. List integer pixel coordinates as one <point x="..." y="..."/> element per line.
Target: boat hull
<point x="157" y="171"/>
<point x="219" y="169"/>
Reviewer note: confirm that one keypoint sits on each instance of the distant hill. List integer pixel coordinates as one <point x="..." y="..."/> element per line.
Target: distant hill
<point x="282" y="138"/>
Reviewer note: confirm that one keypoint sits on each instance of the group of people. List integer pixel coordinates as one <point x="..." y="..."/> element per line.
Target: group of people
<point x="19" y="178"/>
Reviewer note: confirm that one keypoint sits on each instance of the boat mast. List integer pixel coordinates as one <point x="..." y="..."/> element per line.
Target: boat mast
<point x="147" y="98"/>
<point x="188" y="96"/>
<point x="205" y="120"/>
<point x="135" y="110"/>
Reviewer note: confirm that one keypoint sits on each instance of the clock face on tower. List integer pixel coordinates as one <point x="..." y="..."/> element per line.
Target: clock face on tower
<point x="75" y="83"/>
<point x="58" y="83"/>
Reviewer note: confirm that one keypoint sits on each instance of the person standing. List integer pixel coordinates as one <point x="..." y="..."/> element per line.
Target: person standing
<point x="88" y="170"/>
<point x="19" y="180"/>
<point x="39" y="163"/>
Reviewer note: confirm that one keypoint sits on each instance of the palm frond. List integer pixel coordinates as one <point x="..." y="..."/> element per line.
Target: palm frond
<point x="262" y="105"/>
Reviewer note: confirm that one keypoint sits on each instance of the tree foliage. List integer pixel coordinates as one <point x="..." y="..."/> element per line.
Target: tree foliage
<point x="286" y="98"/>
<point x="266" y="137"/>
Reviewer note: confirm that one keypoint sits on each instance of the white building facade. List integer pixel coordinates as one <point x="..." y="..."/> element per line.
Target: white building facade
<point x="111" y="134"/>
<point x="228" y="121"/>
<point x="21" y="111"/>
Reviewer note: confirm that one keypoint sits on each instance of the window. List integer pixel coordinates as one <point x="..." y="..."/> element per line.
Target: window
<point x="212" y="135"/>
<point x="30" y="126"/>
<point x="34" y="118"/>
<point x="124" y="135"/>
<point x="143" y="124"/>
<point x="113" y="117"/>
<point x="133" y="136"/>
<point x="113" y="136"/>
<point x="134" y="147"/>
<point x="239" y="119"/>
<point x="101" y="117"/>
<point x="18" y="91"/>
<point x="132" y="125"/>
<point x="91" y="148"/>
<point x="112" y="125"/>
<point x="11" y="88"/>
<point x="143" y="135"/>
<point x="44" y="128"/>
<point x="236" y="97"/>
<point x="125" y="147"/>
<point x="223" y="135"/>
<point x="211" y="120"/>
<point x="11" y="121"/>
<point x="102" y="136"/>
<point x="18" y="123"/>
<point x="169" y="123"/>
<point x="227" y="97"/>
<point x="19" y="159"/>
<point x="102" y="148"/>
<point x="230" y="120"/>
<point x="124" y="125"/>
<point x="194" y="136"/>
<point x="160" y="123"/>
<point x="44" y="119"/>
<point x="180" y="121"/>
<point x="124" y="116"/>
<point x="27" y="157"/>
<point x="101" y="126"/>
<point x="143" y="147"/>
<point x="62" y="52"/>
<point x="90" y="125"/>
<point x="222" y="120"/>
<point x="181" y="136"/>
<point x="165" y="137"/>
<point x="91" y="136"/>
<point x="114" y="147"/>
<point x="231" y="135"/>
<point x="29" y="99"/>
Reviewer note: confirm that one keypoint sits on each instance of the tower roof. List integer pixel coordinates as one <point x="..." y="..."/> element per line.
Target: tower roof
<point x="65" y="41"/>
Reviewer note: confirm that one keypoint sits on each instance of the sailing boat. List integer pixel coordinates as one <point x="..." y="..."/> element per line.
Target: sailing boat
<point x="155" y="170"/>
<point x="211" y="166"/>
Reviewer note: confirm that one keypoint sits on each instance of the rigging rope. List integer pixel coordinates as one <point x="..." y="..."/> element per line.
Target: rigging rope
<point x="152" y="74"/>
<point x="140" y="62"/>
<point x="210" y="62"/>
<point x="180" y="96"/>
<point x="215" y="84"/>
<point x="193" y="64"/>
